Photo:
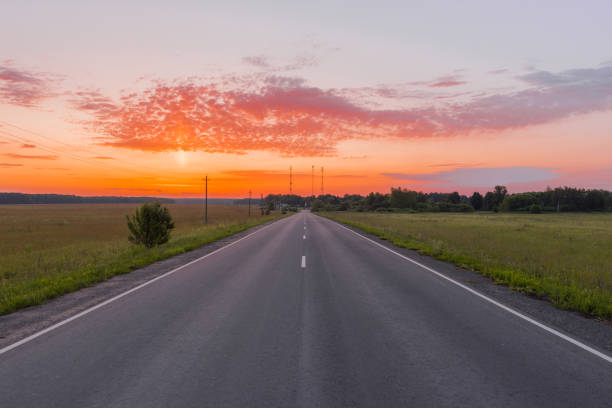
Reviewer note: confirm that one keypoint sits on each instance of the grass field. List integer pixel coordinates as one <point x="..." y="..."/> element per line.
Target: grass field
<point x="49" y="250"/>
<point x="566" y="258"/>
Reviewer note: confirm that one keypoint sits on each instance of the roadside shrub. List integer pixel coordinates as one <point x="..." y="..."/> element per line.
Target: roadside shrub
<point x="150" y="225"/>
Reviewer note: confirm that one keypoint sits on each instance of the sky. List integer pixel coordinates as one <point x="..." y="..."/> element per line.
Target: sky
<point x="146" y="98"/>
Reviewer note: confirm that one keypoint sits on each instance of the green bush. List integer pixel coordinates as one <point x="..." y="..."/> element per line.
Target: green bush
<point x="150" y="225"/>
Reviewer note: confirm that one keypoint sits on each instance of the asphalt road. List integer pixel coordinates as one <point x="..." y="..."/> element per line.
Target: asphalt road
<point x="302" y="313"/>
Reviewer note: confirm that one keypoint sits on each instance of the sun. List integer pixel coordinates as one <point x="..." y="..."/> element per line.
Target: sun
<point x="181" y="158"/>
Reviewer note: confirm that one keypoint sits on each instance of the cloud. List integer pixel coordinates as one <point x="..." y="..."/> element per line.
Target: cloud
<point x="28" y="146"/>
<point x="27" y="156"/>
<point x="104" y="158"/>
<point x="24" y="88"/>
<point x="52" y="168"/>
<point x="551" y="97"/>
<point x="446" y="84"/>
<point x="274" y="113"/>
<point x="259" y="61"/>
<point x="455" y="164"/>
<point x="280" y="114"/>
<point x="448" y="81"/>
<point x="481" y="177"/>
<point x="8" y="165"/>
<point x="263" y="62"/>
<point x="94" y="102"/>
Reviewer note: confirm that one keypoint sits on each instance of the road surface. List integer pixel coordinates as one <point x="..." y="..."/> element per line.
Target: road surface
<point x="302" y="313"/>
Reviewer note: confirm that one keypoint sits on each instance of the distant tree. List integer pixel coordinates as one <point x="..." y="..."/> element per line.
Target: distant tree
<point x="150" y="225"/>
<point x="476" y="200"/>
<point x="317" y="205"/>
<point x="454" y="198"/>
<point x="595" y="200"/>
<point x="498" y="195"/>
<point x="519" y="202"/>
<point x="488" y="201"/>
<point x="402" y="198"/>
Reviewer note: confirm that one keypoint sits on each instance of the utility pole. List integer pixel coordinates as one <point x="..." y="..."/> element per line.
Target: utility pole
<point x="312" y="181"/>
<point x="249" y="203"/>
<point x="206" y="199"/>
<point x="322" y="190"/>
<point x="261" y="204"/>
<point x="290" y="180"/>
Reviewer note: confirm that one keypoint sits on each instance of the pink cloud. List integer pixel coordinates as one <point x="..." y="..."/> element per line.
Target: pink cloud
<point x="278" y="114"/>
<point x="24" y="88"/>
<point x="285" y="115"/>
<point x="446" y="84"/>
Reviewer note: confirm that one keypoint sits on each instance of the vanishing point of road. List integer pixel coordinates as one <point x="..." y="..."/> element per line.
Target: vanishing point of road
<point x="302" y="313"/>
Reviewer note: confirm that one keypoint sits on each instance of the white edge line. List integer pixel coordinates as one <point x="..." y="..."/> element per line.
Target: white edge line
<point x="127" y="292"/>
<point x="488" y="299"/>
<point x="303" y="261"/>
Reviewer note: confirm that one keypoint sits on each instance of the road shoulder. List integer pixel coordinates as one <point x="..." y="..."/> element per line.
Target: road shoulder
<point x="592" y="331"/>
<point x="25" y="322"/>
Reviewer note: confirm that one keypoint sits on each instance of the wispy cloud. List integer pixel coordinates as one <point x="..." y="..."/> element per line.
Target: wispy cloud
<point x="25" y="88"/>
<point x="8" y="165"/>
<point x="259" y="61"/>
<point x="28" y="146"/>
<point x="94" y="102"/>
<point x="104" y="158"/>
<point x="28" y="156"/>
<point x="265" y="63"/>
<point x="481" y="177"/>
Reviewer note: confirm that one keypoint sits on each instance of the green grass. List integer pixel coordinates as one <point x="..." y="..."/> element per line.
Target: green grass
<point x="50" y="250"/>
<point x="565" y="258"/>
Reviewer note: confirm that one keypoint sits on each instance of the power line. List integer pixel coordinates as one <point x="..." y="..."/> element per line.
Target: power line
<point x="55" y="151"/>
<point x="71" y="147"/>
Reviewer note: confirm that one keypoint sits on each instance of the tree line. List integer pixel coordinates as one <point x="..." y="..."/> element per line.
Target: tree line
<point x="22" y="198"/>
<point x="561" y="199"/>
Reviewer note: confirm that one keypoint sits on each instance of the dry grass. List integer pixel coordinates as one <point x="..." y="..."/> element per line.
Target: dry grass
<point x="566" y="258"/>
<point x="48" y="250"/>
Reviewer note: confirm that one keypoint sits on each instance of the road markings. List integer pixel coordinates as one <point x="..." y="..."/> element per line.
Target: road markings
<point x="490" y="300"/>
<point x="303" y="261"/>
<point x="303" y="236"/>
<point x="127" y="292"/>
<point x="304" y="228"/>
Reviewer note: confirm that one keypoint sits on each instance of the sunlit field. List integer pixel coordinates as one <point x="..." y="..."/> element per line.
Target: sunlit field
<point x="48" y="250"/>
<point x="566" y="258"/>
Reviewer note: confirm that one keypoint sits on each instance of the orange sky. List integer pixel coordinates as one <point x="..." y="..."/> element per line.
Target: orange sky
<point x="457" y="100"/>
